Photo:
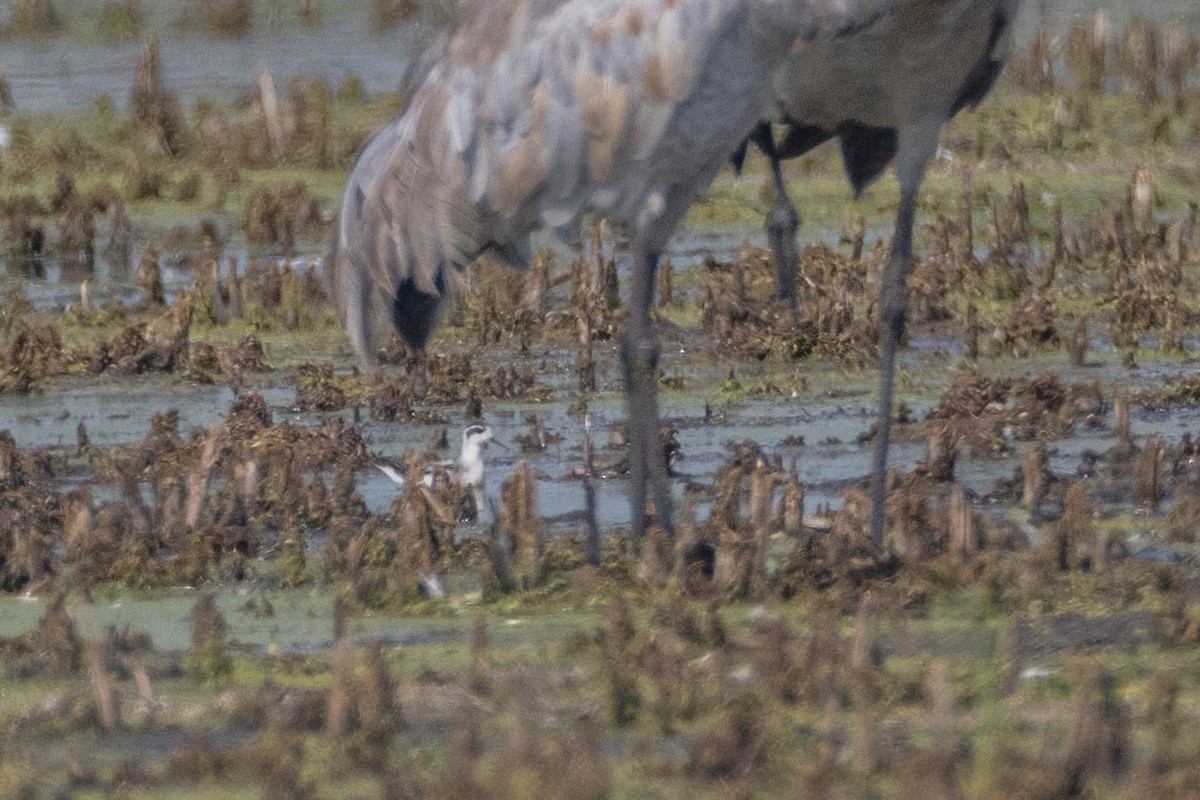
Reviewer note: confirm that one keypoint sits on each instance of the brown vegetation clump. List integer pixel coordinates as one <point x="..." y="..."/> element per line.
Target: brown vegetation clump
<point x="734" y="745"/>
<point x="317" y="389"/>
<point x="1098" y="751"/>
<point x="387" y="14"/>
<point x="227" y="17"/>
<point x="1033" y="69"/>
<point x="1087" y="51"/>
<point x="279" y="216"/>
<point x="620" y="662"/>
<point x="24" y="239"/>
<point x="521" y="526"/>
<point x="157" y="115"/>
<point x="209" y="658"/>
<point x="844" y="554"/>
<point x="1071" y="541"/>
<point x="34" y="18"/>
<point x="77" y="238"/>
<point x="738" y="314"/>
<point x="209" y="361"/>
<point x="1148" y="479"/>
<point x="53" y="648"/>
<point x="988" y="414"/>
<point x="1030" y="326"/>
<point x="741" y="520"/>
<point x="121" y="19"/>
<point x="30" y="354"/>
<point x="970" y="395"/>
<point x="138" y="349"/>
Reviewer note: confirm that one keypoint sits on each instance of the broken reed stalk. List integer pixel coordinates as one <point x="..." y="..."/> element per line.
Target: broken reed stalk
<point x="1148" y="489"/>
<point x="966" y="241"/>
<point x="85" y="297"/>
<point x="585" y="303"/>
<point x="378" y="714"/>
<point x="666" y="295"/>
<point x="1033" y="474"/>
<point x="1077" y="345"/>
<point x="198" y="482"/>
<point x="940" y="696"/>
<point x="942" y="453"/>
<point x="340" y="702"/>
<point x="792" y="504"/>
<point x="1098" y="747"/>
<point x="594" y="276"/>
<point x="1074" y="531"/>
<point x="865" y="757"/>
<point x="1000" y="246"/>
<point x="1007" y="657"/>
<point x="1121" y="429"/>
<point x="270" y="107"/>
<point x="480" y="677"/>
<point x="592" y="540"/>
<point x="103" y="694"/>
<point x="971" y="333"/>
<point x="1016" y="217"/>
<point x="521" y="525"/>
<point x="962" y="525"/>
<point x="858" y="236"/>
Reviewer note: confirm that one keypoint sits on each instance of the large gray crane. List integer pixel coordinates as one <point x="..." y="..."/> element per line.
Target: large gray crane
<point x="533" y="112"/>
<point x="884" y="92"/>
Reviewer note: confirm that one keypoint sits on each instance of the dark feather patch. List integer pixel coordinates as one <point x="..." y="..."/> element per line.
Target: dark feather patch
<point x="979" y="82"/>
<point x="762" y="138"/>
<point x="415" y="313"/>
<point x="738" y="159"/>
<point x="866" y="152"/>
<point x="799" y="139"/>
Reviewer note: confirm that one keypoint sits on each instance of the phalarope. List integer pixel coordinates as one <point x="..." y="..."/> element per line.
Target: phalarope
<point x="466" y="470"/>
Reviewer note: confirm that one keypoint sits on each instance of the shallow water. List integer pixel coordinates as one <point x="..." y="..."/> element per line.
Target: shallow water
<point x="62" y="73"/>
<point x="828" y="461"/>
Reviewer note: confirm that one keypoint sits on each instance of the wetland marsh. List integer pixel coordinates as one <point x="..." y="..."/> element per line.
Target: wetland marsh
<point x="209" y="590"/>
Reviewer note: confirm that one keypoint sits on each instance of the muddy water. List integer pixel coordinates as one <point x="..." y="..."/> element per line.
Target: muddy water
<point x="64" y="73"/>
<point x="816" y="430"/>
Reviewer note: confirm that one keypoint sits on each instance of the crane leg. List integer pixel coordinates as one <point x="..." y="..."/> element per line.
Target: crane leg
<point x="781" y="222"/>
<point x="916" y="146"/>
<point x="418" y="373"/>
<point x="639" y="357"/>
<point x="892" y="309"/>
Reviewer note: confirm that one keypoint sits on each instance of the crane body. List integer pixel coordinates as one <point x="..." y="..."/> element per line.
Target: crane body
<point x="533" y="112"/>
<point x="884" y="92"/>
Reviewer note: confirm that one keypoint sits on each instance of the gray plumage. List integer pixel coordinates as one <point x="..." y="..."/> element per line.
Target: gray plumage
<point x="533" y="112"/>
<point x="884" y="92"/>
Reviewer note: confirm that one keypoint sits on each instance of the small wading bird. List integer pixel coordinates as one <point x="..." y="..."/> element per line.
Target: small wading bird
<point x="884" y="92"/>
<point x="466" y="470"/>
<point x="531" y="113"/>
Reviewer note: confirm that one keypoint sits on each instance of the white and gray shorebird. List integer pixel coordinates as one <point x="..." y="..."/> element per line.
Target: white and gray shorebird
<point x="466" y="470"/>
<point x="531" y="113"/>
